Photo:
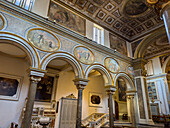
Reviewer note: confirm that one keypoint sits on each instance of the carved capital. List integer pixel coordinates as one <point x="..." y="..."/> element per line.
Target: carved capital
<point x="130" y="94"/>
<point x="35" y="79"/>
<point x="110" y="89"/>
<point x="80" y="81"/>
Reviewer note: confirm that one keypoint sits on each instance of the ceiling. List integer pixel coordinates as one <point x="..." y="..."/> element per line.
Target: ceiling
<point x="129" y="19"/>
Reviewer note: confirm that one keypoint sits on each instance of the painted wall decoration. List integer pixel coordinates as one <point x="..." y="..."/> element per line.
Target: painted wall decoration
<point x="44" y="89"/>
<point x="134" y="46"/>
<point x="95" y="99"/>
<point x="1" y="22"/>
<point x="130" y="70"/>
<point x="10" y="86"/>
<point x="66" y="18"/>
<point x="135" y="7"/>
<point x="122" y="90"/>
<point x="118" y="44"/>
<point x="112" y="65"/>
<point x="84" y="55"/>
<point x="43" y="40"/>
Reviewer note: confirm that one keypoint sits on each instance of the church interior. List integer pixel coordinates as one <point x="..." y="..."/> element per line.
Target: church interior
<point x="84" y="63"/>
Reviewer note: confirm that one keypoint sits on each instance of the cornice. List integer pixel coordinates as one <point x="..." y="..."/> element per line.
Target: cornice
<point x="56" y="28"/>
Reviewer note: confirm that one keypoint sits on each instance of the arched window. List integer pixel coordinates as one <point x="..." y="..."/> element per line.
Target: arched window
<point x="27" y="4"/>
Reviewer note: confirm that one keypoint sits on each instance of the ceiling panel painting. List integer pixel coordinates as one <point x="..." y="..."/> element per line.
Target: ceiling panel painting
<point x="129" y="19"/>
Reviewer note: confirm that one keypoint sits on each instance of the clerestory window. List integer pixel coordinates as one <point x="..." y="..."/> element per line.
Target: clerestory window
<point x="27" y="4"/>
<point x="98" y="34"/>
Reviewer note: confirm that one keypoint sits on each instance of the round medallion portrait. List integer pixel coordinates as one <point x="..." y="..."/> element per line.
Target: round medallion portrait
<point x="43" y="40"/>
<point x="112" y="65"/>
<point x="135" y="7"/>
<point x="84" y="55"/>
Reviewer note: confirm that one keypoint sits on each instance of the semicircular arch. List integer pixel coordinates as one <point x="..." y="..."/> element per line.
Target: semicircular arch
<point x="129" y="82"/>
<point x="106" y="74"/>
<point x="78" y="70"/>
<point x="10" y="38"/>
<point x="140" y="50"/>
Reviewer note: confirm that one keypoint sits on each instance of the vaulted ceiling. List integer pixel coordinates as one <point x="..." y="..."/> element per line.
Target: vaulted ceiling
<point x="129" y="19"/>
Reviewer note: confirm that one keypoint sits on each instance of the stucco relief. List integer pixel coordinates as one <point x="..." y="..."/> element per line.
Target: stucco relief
<point x="43" y="40"/>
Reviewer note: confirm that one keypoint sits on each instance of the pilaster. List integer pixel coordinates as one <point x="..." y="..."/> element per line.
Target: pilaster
<point x="143" y="105"/>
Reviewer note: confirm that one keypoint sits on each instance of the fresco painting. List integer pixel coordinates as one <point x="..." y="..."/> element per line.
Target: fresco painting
<point x="130" y="70"/>
<point x="122" y="90"/>
<point x="84" y="55"/>
<point x="118" y="44"/>
<point x="66" y="18"/>
<point x="43" y="40"/>
<point x="111" y="65"/>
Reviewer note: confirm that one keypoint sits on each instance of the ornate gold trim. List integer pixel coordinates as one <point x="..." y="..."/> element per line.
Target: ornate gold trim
<point x="47" y="32"/>
<point x="125" y="78"/>
<point x="57" y="2"/>
<point x="102" y="66"/>
<point x="1" y="17"/>
<point x="38" y="59"/>
<point x="86" y="48"/>
<point x="66" y="58"/>
<point x="116" y="62"/>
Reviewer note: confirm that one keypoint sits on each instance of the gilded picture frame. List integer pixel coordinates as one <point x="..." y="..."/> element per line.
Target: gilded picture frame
<point x="10" y="86"/>
<point x="84" y="55"/>
<point x="95" y="99"/>
<point x="112" y="65"/>
<point x="42" y="41"/>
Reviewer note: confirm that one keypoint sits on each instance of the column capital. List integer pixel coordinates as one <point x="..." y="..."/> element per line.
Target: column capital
<point x="110" y="89"/>
<point x="35" y="79"/>
<point x="80" y="83"/>
<point x="131" y="94"/>
<point x="36" y="72"/>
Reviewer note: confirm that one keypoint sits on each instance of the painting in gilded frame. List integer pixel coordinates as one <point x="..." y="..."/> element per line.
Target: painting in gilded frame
<point x="66" y="18"/>
<point x="95" y="99"/>
<point x="112" y="65"/>
<point x="84" y="55"/>
<point x="10" y="86"/>
<point x="43" y="40"/>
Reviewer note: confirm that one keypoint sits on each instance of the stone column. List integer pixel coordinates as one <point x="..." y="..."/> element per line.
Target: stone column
<point x="143" y="104"/>
<point x="131" y="96"/>
<point x="110" y="91"/>
<point x="35" y="77"/>
<point x="80" y="84"/>
<point x="162" y="7"/>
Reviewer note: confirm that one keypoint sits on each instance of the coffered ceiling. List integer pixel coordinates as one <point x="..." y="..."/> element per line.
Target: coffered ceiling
<point x="129" y="19"/>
